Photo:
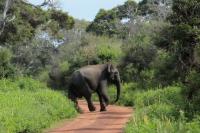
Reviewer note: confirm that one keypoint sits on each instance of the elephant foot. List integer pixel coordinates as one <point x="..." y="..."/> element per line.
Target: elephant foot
<point x="92" y="108"/>
<point x="106" y="103"/>
<point x="103" y="109"/>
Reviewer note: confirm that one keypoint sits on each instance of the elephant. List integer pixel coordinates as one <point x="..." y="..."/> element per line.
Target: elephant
<point x="94" y="78"/>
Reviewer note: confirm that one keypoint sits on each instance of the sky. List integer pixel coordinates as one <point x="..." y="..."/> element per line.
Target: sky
<point x="84" y="9"/>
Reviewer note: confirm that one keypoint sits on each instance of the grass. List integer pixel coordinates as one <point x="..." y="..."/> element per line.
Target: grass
<point x="29" y="106"/>
<point x="144" y="124"/>
<point x="161" y="111"/>
<point x="168" y="95"/>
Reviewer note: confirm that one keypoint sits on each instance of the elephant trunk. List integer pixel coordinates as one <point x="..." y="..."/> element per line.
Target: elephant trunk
<point x="118" y="85"/>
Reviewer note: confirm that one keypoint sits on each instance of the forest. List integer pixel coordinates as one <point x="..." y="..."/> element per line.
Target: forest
<point x="154" y="43"/>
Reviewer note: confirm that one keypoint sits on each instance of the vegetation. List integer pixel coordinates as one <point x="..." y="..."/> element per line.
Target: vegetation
<point x="154" y="43"/>
<point x="29" y="106"/>
<point x="162" y="110"/>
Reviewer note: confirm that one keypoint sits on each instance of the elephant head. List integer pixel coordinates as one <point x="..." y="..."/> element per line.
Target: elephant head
<point x="114" y="77"/>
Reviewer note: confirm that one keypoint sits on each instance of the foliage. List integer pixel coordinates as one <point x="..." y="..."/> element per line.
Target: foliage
<point x="29" y="106"/>
<point x="161" y="110"/>
<point x="192" y="93"/>
<point x="168" y="95"/>
<point x="90" y="49"/>
<point x="64" y="20"/>
<point x="172" y="109"/>
<point x="27" y="19"/>
<point x="151" y="52"/>
<point x="156" y="9"/>
<point x="193" y="78"/>
<point x="108" y="52"/>
<point x="139" y="53"/>
<point x="21" y="83"/>
<point x="118" y="20"/>
<point x="106" y="22"/>
<point x="163" y="67"/>
<point x="6" y="68"/>
<point x="35" y="57"/>
<point x="145" y="124"/>
<point x="184" y="36"/>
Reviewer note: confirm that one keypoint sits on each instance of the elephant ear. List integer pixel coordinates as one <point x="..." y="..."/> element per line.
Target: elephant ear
<point x="110" y="68"/>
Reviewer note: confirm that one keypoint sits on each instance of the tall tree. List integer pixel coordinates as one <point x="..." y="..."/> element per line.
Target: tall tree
<point x="4" y="17"/>
<point x="108" y="22"/>
<point x="155" y="9"/>
<point x="28" y="18"/>
<point x="182" y="38"/>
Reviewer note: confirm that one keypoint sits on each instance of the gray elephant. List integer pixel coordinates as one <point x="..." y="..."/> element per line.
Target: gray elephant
<point x="94" y="78"/>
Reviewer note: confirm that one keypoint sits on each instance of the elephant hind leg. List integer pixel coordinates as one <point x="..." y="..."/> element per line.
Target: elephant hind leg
<point x="73" y="98"/>
<point x="77" y="106"/>
<point x="90" y="104"/>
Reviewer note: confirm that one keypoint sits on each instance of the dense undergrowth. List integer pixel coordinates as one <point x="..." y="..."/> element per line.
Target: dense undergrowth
<point x="29" y="106"/>
<point x="156" y="48"/>
<point x="162" y="110"/>
<point x="159" y="110"/>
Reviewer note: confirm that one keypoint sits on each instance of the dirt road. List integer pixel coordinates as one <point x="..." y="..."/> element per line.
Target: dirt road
<point x="111" y="121"/>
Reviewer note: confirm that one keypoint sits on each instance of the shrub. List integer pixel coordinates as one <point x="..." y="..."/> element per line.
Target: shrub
<point x="29" y="106"/>
<point x="163" y="65"/>
<point x="168" y="95"/>
<point x="31" y="112"/>
<point x="22" y="83"/>
<point x="160" y="111"/>
<point x="106" y="52"/>
<point x="6" y="68"/>
<point x="144" y="124"/>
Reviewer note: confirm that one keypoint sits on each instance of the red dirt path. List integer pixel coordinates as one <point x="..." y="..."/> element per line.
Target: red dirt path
<point x="111" y="121"/>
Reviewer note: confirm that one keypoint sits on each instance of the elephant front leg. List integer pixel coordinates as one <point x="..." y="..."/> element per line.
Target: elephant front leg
<point x="90" y="104"/>
<point x="105" y="96"/>
<point x="102" y="104"/>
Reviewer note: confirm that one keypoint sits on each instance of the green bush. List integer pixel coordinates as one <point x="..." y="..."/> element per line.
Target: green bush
<point x="193" y="82"/>
<point x="21" y="83"/>
<point x="5" y="55"/>
<point x="144" y="124"/>
<point x="107" y="52"/>
<point x="163" y="66"/>
<point x="161" y="111"/>
<point x="43" y="76"/>
<point x="168" y="95"/>
<point x="29" y="106"/>
<point x="6" y="68"/>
